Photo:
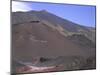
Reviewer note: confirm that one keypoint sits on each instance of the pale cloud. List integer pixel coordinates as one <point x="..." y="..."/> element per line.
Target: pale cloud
<point x="19" y="6"/>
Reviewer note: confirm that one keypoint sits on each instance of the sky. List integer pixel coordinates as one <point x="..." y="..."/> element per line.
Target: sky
<point x="80" y="14"/>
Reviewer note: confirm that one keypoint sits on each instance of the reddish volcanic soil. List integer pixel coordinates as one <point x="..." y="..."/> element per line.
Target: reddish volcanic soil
<point x="28" y="69"/>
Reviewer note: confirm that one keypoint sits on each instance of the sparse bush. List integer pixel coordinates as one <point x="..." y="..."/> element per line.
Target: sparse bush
<point x="90" y="63"/>
<point x="42" y="59"/>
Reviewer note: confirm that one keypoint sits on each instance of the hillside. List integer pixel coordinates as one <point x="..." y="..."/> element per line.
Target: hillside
<point x="37" y="34"/>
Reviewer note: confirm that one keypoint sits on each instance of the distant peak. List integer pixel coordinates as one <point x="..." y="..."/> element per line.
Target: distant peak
<point x="35" y="11"/>
<point x="43" y="11"/>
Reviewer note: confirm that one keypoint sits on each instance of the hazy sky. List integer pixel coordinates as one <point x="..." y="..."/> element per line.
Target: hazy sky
<point x="83" y="15"/>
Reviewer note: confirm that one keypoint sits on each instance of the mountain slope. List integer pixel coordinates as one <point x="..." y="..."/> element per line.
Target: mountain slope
<point x="40" y="33"/>
<point x="48" y="40"/>
<point x="70" y="27"/>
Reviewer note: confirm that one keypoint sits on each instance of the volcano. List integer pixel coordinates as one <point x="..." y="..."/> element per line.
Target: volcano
<point x="37" y="34"/>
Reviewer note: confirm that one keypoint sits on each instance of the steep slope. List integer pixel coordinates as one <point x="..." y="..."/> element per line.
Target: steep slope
<point x="53" y="20"/>
<point x="47" y="40"/>
<point x="37" y="39"/>
<point x="40" y="33"/>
